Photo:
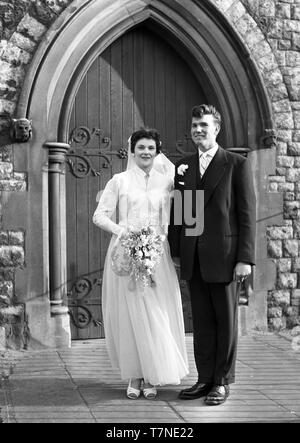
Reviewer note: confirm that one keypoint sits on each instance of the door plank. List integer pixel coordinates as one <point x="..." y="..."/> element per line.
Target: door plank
<point x="71" y="229"/>
<point x="94" y="264"/>
<point x="159" y="91"/>
<point x="170" y="101"/>
<point x="128" y="85"/>
<point x="116" y="102"/>
<point x="149" y="90"/>
<point x="138" y="75"/>
<point x="105" y="125"/>
<point x="82" y="253"/>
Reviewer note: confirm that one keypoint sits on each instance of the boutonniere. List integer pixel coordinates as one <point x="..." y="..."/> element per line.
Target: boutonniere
<point x="182" y="169"/>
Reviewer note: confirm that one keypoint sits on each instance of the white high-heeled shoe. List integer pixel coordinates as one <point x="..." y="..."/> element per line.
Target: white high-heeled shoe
<point x="150" y="393"/>
<point x="133" y="393"/>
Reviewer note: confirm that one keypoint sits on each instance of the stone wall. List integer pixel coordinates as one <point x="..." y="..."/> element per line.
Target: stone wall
<point x="13" y="322"/>
<point x="280" y="23"/>
<point x="23" y="23"/>
<point x="12" y="256"/>
<point x="270" y="29"/>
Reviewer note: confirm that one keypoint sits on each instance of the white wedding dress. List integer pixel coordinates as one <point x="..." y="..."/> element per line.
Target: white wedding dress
<point x="144" y="328"/>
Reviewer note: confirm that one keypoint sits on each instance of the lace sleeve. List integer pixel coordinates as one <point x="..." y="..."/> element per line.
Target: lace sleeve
<point x="105" y="213"/>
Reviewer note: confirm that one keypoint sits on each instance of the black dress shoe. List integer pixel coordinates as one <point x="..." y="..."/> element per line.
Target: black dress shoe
<point x="217" y="395"/>
<point x="196" y="391"/>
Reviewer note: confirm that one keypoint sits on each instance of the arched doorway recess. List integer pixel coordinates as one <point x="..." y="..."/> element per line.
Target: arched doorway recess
<point x="213" y="55"/>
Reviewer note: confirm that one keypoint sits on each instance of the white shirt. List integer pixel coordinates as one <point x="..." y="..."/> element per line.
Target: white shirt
<point x="205" y="158"/>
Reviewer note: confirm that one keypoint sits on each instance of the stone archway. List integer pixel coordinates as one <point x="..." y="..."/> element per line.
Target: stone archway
<point x="55" y="76"/>
<point x="27" y="29"/>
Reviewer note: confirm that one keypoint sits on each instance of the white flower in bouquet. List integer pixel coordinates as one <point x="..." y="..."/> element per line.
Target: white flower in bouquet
<point x="149" y="264"/>
<point x="143" y="239"/>
<point x="139" y="254"/>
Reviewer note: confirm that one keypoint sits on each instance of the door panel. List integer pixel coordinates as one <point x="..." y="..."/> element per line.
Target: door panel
<point x="139" y="80"/>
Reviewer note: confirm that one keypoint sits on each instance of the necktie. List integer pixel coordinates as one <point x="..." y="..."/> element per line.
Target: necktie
<point x="203" y="163"/>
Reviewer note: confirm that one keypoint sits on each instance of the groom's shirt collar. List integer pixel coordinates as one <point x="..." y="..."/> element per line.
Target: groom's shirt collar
<point x="210" y="153"/>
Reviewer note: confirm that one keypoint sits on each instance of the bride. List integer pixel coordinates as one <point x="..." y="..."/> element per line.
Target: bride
<point x="144" y="325"/>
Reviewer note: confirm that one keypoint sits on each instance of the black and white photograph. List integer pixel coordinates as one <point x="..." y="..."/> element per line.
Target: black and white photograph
<point x="149" y="214"/>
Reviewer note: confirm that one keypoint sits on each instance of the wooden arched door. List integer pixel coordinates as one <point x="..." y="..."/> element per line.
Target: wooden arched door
<point x="139" y="80"/>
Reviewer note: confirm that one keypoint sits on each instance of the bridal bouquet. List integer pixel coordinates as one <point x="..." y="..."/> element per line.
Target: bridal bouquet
<point x="141" y="252"/>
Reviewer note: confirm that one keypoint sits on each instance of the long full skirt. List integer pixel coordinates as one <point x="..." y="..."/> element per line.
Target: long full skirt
<point x="144" y="328"/>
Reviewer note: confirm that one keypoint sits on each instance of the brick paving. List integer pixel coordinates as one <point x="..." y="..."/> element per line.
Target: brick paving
<point x="78" y="385"/>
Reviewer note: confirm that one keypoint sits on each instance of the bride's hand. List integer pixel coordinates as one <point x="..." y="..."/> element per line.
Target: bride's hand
<point x="119" y="232"/>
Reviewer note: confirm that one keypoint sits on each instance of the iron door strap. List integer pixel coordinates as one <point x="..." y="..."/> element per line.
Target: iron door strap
<point x="79" y="299"/>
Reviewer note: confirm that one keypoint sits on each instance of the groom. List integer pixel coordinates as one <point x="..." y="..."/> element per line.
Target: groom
<point x="215" y="262"/>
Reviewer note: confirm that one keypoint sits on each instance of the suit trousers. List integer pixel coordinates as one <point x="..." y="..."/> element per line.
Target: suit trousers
<point x="215" y="323"/>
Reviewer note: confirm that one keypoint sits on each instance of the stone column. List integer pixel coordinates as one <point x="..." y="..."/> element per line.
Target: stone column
<point x="56" y="158"/>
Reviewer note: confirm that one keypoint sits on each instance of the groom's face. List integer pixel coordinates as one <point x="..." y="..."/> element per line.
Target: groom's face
<point x="204" y="131"/>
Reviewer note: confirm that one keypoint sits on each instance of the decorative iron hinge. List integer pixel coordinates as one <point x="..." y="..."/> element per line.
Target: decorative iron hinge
<point x="86" y="144"/>
<point x="78" y="298"/>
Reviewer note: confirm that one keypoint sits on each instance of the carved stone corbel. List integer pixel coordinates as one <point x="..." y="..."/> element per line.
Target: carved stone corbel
<point x="15" y="130"/>
<point x="269" y="139"/>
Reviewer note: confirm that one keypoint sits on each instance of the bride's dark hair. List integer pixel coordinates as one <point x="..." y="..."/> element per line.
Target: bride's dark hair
<point x="150" y="134"/>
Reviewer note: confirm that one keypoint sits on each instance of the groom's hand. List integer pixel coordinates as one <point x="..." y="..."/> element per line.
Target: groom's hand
<point x="176" y="261"/>
<point x="241" y="271"/>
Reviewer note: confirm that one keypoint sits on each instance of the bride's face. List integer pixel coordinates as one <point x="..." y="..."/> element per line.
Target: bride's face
<point x="144" y="153"/>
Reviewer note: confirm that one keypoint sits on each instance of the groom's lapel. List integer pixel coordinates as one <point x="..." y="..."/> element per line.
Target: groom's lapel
<point x="192" y="180"/>
<point x="193" y="170"/>
<point x="214" y="173"/>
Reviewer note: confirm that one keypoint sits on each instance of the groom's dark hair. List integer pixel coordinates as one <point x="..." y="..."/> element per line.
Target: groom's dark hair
<point x="200" y="110"/>
<point x="150" y="134"/>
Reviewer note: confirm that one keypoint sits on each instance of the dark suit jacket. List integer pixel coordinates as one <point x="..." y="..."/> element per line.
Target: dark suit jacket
<point x="229" y="217"/>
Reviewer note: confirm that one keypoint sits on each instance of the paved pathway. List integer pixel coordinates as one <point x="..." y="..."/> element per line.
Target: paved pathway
<point x="78" y="385"/>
